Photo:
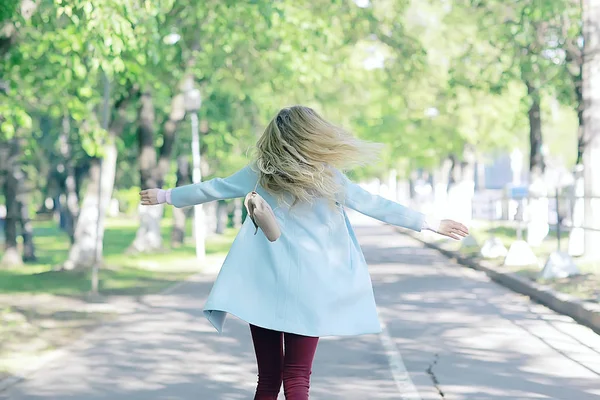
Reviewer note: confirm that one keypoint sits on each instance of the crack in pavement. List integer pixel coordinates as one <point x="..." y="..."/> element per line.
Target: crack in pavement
<point x="434" y="379"/>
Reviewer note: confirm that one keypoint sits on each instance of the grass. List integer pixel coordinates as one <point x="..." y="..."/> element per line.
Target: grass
<point x="42" y="309"/>
<point x="120" y="273"/>
<point x="585" y="286"/>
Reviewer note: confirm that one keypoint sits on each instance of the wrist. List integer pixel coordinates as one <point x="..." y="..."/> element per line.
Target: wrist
<point x="161" y="196"/>
<point x="164" y="196"/>
<point x="432" y="224"/>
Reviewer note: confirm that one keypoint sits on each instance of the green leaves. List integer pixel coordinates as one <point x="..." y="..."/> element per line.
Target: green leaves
<point x="423" y="77"/>
<point x="8" y="9"/>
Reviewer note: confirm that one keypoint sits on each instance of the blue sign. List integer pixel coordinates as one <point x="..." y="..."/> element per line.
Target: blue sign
<point x="518" y="192"/>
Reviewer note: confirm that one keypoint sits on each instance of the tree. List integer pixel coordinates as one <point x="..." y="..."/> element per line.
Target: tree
<point x="256" y="58"/>
<point x="108" y="120"/>
<point x="15" y="192"/>
<point x="89" y="231"/>
<point x="521" y="41"/>
<point x="591" y="116"/>
<point x="436" y="103"/>
<point x="153" y="170"/>
<point x="571" y="42"/>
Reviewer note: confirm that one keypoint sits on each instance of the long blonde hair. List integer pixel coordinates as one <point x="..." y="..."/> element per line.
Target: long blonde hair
<point x="297" y="150"/>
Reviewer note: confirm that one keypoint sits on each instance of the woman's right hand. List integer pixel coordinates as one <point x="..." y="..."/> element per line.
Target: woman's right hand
<point x="149" y="197"/>
<point x="453" y="229"/>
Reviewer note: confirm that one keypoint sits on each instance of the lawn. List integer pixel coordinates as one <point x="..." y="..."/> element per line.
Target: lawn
<point x="42" y="309"/>
<point x="120" y="273"/>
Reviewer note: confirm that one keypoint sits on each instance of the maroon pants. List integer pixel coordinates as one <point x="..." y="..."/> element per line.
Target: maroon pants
<point x="292" y="367"/>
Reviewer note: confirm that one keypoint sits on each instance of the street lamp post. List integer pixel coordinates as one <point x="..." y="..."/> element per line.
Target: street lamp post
<point x="98" y="249"/>
<point x="193" y="101"/>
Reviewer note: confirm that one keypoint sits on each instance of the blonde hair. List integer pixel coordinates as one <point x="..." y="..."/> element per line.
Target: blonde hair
<point x="297" y="150"/>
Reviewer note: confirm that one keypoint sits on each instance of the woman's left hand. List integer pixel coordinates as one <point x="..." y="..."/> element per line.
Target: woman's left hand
<point x="453" y="229"/>
<point x="149" y="197"/>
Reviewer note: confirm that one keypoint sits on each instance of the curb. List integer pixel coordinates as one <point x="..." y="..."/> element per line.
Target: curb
<point x="52" y="355"/>
<point x="584" y="312"/>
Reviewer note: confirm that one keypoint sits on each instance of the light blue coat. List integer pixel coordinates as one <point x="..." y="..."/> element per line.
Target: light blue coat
<point x="313" y="280"/>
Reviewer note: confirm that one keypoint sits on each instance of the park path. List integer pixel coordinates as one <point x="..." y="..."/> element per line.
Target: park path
<point x="450" y="334"/>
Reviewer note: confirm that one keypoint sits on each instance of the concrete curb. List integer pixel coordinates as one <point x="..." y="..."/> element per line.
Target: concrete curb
<point x="584" y="312"/>
<point x="52" y="355"/>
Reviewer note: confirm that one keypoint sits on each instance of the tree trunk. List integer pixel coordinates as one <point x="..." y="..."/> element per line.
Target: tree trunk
<point x="24" y="189"/>
<point x="49" y="191"/>
<point x="179" y="214"/>
<point x="480" y="168"/>
<point x="89" y="230"/>
<point x="580" y="138"/>
<point x="11" y="253"/>
<point x="148" y="237"/>
<point x="50" y="182"/>
<point x="82" y="170"/>
<point x="221" y="210"/>
<point x="574" y="56"/>
<point x="69" y="210"/>
<point x="26" y="231"/>
<point x="237" y="213"/>
<point x="178" y="232"/>
<point x="454" y="173"/>
<point x="591" y="96"/>
<point x="152" y="171"/>
<point x="538" y="227"/>
<point x="537" y="165"/>
<point x="461" y="186"/>
<point x="411" y="186"/>
<point x="11" y="194"/>
<point x="580" y="118"/>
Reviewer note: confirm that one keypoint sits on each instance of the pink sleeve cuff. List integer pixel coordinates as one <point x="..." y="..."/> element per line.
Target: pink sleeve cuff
<point x="164" y="196"/>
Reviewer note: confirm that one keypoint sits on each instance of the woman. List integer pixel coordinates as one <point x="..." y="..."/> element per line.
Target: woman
<point x="313" y="281"/>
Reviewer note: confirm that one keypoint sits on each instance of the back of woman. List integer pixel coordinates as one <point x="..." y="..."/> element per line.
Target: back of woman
<point x="313" y="281"/>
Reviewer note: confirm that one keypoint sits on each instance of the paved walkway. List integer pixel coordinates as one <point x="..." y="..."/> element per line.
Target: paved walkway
<point x="450" y="332"/>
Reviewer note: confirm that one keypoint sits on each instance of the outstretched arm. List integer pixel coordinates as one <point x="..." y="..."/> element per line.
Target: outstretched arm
<point x="394" y="213"/>
<point x="236" y="185"/>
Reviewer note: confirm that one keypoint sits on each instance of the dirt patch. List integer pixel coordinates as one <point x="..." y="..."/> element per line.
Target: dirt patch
<point x="585" y="286"/>
<point x="30" y="326"/>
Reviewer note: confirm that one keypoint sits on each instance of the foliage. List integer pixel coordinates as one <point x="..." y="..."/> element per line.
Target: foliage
<point x="121" y="274"/>
<point x="501" y="47"/>
<point x="425" y="77"/>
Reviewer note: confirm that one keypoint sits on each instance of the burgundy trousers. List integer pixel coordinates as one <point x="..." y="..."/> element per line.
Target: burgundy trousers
<point x="292" y="366"/>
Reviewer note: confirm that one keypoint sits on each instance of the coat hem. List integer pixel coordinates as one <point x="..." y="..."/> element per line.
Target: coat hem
<point x="209" y="311"/>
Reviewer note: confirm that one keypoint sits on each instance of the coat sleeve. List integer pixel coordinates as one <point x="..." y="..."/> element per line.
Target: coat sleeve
<point x="236" y="185"/>
<point x="380" y="208"/>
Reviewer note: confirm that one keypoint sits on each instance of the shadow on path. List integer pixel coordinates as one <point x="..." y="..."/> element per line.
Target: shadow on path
<point x="478" y="340"/>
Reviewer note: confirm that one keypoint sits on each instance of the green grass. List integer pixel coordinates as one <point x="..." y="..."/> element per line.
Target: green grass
<point x="42" y="309"/>
<point x="120" y="273"/>
<point x="508" y="235"/>
<point x="585" y="286"/>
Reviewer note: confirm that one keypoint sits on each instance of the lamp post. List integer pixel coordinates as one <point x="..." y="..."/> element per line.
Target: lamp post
<point x="193" y="101"/>
<point x="98" y="248"/>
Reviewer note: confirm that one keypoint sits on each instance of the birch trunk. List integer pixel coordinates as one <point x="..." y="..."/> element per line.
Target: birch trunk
<point x="89" y="230"/>
<point x="11" y="255"/>
<point x="152" y="171"/>
<point x="591" y="115"/>
<point x="148" y="237"/>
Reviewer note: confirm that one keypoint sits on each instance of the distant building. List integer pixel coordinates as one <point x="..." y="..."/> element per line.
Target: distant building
<point x="500" y="172"/>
